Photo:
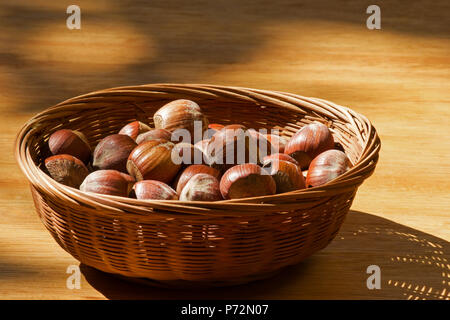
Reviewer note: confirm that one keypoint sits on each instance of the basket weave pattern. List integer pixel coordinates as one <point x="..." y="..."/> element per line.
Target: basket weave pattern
<point x="217" y="243"/>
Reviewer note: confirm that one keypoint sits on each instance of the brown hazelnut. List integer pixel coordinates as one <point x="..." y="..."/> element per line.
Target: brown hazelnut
<point x="66" y="141"/>
<point x="180" y="114"/>
<point x="287" y="176"/>
<point x="212" y="129"/>
<point x="246" y="180"/>
<point x="308" y="142"/>
<point x="215" y="126"/>
<point x="264" y="147"/>
<point x="277" y="142"/>
<point x="232" y="145"/>
<point x="201" y="187"/>
<point x="191" y="171"/>
<point x="112" y="152"/>
<point x="152" y="160"/>
<point x="202" y="146"/>
<point x="187" y="154"/>
<point x="154" y="190"/>
<point x="66" y="169"/>
<point x="110" y="182"/>
<point x="327" y="166"/>
<point x="134" y="129"/>
<point x="279" y="156"/>
<point x="154" y="134"/>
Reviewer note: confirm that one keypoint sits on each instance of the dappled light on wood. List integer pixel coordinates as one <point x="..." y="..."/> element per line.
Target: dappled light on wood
<point x="96" y="47"/>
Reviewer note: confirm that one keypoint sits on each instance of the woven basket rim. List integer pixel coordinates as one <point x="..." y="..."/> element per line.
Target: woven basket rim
<point x="361" y="169"/>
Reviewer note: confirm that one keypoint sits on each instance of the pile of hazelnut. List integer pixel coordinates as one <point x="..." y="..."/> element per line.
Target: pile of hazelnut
<point x="144" y="163"/>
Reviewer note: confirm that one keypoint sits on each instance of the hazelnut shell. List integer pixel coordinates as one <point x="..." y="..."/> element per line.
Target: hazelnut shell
<point x="309" y="142"/>
<point x="327" y="166"/>
<point x="154" y="134"/>
<point x="202" y="145"/>
<point x="201" y="187"/>
<point x="187" y="153"/>
<point x="231" y="146"/>
<point x="154" y="190"/>
<point x="66" y="169"/>
<point x="215" y="126"/>
<point x="246" y="180"/>
<point x="152" y="160"/>
<point x="287" y="176"/>
<point x="212" y="129"/>
<point x="180" y="114"/>
<point x="191" y="171"/>
<point x="109" y="182"/>
<point x="279" y="156"/>
<point x="72" y="142"/>
<point x="112" y="152"/>
<point x="278" y="142"/>
<point x="134" y="129"/>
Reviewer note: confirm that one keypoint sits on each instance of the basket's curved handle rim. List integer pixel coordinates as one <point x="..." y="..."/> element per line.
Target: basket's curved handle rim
<point x="350" y="180"/>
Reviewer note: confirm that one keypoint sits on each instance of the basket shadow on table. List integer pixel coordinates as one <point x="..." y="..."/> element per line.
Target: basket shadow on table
<point x="414" y="265"/>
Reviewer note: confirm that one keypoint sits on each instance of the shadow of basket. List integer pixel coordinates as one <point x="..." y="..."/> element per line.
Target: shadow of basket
<point x="414" y="265"/>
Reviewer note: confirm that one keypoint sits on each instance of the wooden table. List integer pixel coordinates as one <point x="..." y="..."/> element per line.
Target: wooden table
<point x="397" y="76"/>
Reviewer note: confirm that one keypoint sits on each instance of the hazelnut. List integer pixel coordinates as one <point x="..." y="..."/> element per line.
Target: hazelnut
<point x="112" y="152"/>
<point x="66" y="169"/>
<point x="154" y="190"/>
<point x="66" y="141"/>
<point x="202" y="146"/>
<point x="192" y="170"/>
<point x="279" y="156"/>
<point x="186" y="154"/>
<point x="201" y="187"/>
<point x="264" y="147"/>
<point x="152" y="160"/>
<point x="246" y="180"/>
<point x="212" y="129"/>
<point x="327" y="166"/>
<point x="154" y="134"/>
<point x="180" y="114"/>
<point x="215" y="126"/>
<point x="134" y="129"/>
<point x="110" y="182"/>
<point x="308" y="142"/>
<point x="278" y="142"/>
<point x="287" y="176"/>
<point x="232" y="145"/>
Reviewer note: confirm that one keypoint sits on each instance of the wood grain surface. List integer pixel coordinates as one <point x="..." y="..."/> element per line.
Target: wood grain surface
<point x="398" y="77"/>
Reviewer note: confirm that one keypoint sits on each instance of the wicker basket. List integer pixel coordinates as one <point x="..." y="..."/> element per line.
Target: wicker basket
<point x="199" y="243"/>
